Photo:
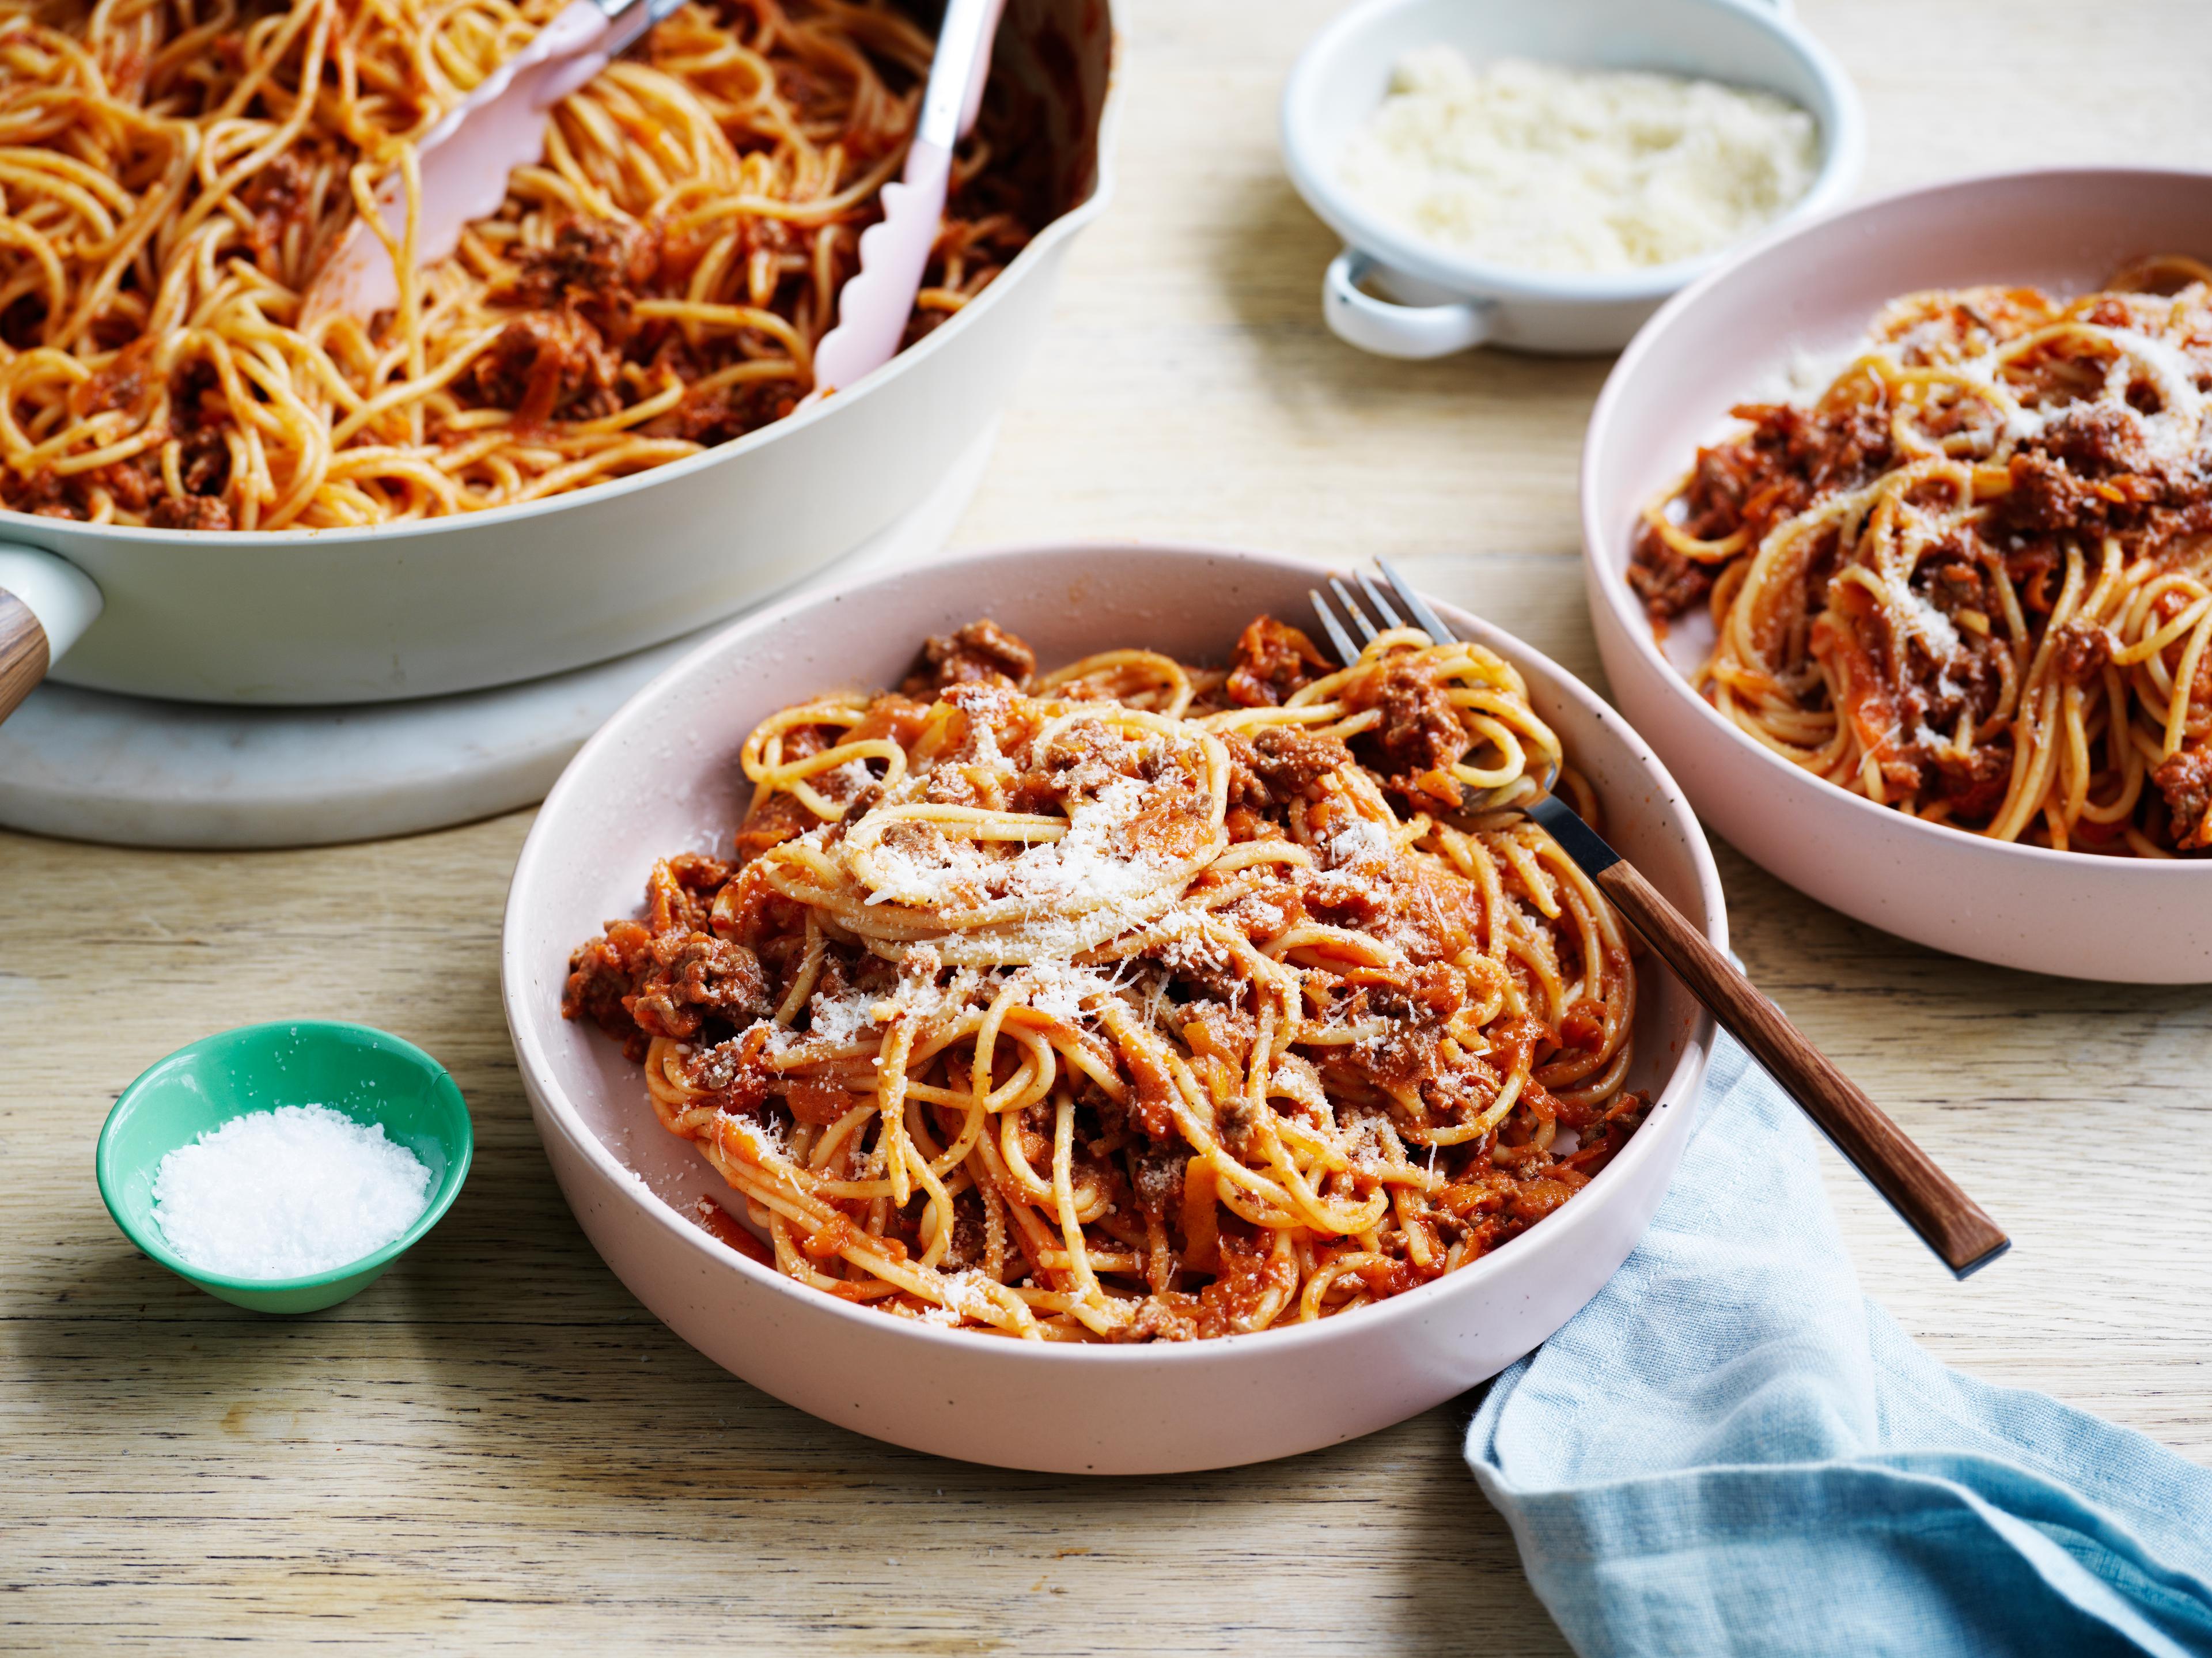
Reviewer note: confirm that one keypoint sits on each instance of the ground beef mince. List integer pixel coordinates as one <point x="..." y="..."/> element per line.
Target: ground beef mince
<point x="1291" y="762"/>
<point x="694" y="976"/>
<point x="191" y="512"/>
<point x="280" y="198"/>
<point x="548" y="364"/>
<point x="133" y="483"/>
<point x="730" y="411"/>
<point x="1421" y="736"/>
<point x="601" y="974"/>
<point x="982" y="653"/>
<point x="1274" y="659"/>
<point x="588" y="258"/>
<point x="1752" y="483"/>
<point x="595" y="267"/>
<point x="121" y="384"/>
<point x="41" y="494"/>
<point x="2083" y="649"/>
<point x="1669" y="583"/>
<point x="2185" y="779"/>
<point x="1973" y="783"/>
<point x="2048" y="498"/>
<point x="2096" y="438"/>
<point x="203" y="461"/>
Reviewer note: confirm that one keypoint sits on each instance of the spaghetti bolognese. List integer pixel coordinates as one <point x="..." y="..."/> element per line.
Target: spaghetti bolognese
<point x="1133" y="1001"/>
<point x="1971" y="578"/>
<point x="175" y="171"/>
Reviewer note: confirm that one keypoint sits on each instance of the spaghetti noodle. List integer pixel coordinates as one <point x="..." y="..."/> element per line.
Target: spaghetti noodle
<point x="1134" y="1000"/>
<point x="1973" y="578"/>
<point x="172" y="172"/>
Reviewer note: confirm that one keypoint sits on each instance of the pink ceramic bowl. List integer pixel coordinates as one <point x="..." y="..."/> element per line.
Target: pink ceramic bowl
<point x="1734" y="336"/>
<point x="662" y="776"/>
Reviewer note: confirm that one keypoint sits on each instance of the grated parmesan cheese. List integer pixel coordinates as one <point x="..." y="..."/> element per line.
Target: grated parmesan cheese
<point x="1360" y="840"/>
<point x="842" y="1019"/>
<point x="2170" y="433"/>
<point x="1061" y="988"/>
<point x="1549" y="168"/>
<point x="1097" y="879"/>
<point x="1094" y="859"/>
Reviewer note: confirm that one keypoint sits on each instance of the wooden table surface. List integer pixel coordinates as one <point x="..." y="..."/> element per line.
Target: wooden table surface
<point x="496" y="1448"/>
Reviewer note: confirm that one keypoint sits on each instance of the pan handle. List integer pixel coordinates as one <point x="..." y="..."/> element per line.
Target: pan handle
<point x="45" y="604"/>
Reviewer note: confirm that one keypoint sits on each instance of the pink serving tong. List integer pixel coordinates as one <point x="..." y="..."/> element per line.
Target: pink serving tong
<point x="877" y="300"/>
<point x="465" y="159"/>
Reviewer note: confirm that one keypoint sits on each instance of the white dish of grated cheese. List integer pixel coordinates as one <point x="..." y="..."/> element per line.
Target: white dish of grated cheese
<point x="1544" y="177"/>
<point x="1551" y="168"/>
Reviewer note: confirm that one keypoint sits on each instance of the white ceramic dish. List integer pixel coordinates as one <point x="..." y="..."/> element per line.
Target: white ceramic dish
<point x="1734" y="335"/>
<point x="662" y="777"/>
<point x="458" y="603"/>
<point x="1439" y="301"/>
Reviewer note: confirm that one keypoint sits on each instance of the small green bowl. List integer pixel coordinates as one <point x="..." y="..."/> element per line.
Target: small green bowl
<point x="371" y="1076"/>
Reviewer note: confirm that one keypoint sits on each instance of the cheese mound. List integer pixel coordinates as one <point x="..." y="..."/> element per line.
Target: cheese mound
<point x="1547" y="168"/>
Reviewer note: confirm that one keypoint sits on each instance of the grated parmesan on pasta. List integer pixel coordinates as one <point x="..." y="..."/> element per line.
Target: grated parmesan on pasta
<point x="1549" y="168"/>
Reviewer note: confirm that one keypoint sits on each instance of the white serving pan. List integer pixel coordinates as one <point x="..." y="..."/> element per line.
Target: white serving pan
<point x="662" y="776"/>
<point x="1439" y="301"/>
<point x="456" y="604"/>
<point x="1813" y="290"/>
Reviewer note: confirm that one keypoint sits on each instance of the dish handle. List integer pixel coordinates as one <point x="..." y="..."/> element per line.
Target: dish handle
<point x="45" y="604"/>
<point x="1390" y="329"/>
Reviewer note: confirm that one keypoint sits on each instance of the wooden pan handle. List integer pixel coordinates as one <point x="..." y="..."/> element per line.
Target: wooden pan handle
<point x="45" y="604"/>
<point x="24" y="656"/>
<point x="1952" y="1223"/>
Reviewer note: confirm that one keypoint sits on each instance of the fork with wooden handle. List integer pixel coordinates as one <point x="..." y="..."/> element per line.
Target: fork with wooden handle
<point x="1928" y="1200"/>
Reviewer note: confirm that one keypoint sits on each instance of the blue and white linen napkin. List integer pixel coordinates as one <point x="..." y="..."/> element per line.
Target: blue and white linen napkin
<point x="1731" y="1450"/>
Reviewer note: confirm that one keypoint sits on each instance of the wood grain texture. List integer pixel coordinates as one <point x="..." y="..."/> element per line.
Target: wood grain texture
<point x="1929" y="1200"/>
<point x="497" y="1450"/>
<point x="23" y="655"/>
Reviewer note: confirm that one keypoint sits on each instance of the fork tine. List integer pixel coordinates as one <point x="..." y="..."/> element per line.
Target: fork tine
<point x="1347" y="652"/>
<point x="1425" y="618"/>
<point x="1353" y="613"/>
<point x="1379" y="600"/>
